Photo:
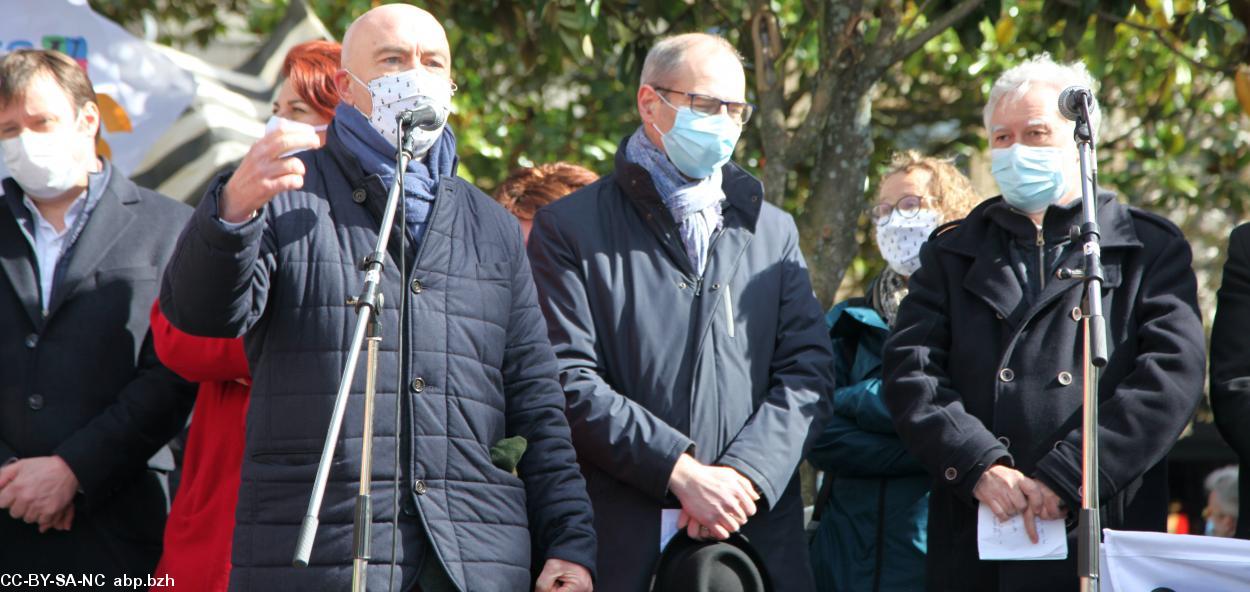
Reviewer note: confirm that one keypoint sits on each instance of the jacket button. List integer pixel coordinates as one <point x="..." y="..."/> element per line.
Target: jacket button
<point x="998" y="315"/>
<point x="682" y="285"/>
<point x="32" y="340"/>
<point x="416" y="286"/>
<point x="418" y="384"/>
<point x="359" y="195"/>
<point x="1076" y="314"/>
<point x="1005" y="441"/>
<point x="35" y="402"/>
<point x="950" y="473"/>
<point x="1006" y="375"/>
<point x="419" y="487"/>
<point x="716" y="286"/>
<point x="1065" y="378"/>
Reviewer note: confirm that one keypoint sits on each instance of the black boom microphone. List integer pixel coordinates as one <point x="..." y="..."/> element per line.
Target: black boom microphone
<point x="1072" y="99"/>
<point x="425" y="115"/>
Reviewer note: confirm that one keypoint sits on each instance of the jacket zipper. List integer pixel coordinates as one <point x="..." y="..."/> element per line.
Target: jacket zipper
<point x="1041" y="259"/>
<point x="698" y="280"/>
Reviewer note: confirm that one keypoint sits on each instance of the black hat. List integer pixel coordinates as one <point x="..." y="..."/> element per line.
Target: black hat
<point x="731" y="565"/>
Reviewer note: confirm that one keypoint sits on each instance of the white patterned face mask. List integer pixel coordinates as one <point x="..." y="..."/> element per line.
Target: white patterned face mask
<point x="395" y="93"/>
<point x="900" y="239"/>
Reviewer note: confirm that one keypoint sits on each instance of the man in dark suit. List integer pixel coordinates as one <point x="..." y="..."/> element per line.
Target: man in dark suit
<point x="84" y="403"/>
<point x="1230" y="360"/>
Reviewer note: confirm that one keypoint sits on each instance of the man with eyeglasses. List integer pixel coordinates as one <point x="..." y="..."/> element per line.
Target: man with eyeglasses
<point x="691" y="348"/>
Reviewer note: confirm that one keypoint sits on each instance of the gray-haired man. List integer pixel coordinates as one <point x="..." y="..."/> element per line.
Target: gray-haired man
<point x="1221" y="510"/>
<point x="691" y="348"/>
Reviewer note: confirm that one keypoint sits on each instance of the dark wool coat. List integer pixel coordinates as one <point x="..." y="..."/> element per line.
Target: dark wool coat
<point x="657" y="361"/>
<point x="976" y="373"/>
<point x="83" y="382"/>
<point x="477" y="368"/>
<point x="1230" y="363"/>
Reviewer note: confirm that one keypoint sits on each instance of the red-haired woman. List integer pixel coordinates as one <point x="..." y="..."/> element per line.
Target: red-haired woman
<point x="528" y="188"/>
<point x="200" y="527"/>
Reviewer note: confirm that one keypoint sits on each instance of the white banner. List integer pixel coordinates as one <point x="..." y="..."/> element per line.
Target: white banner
<point x="1160" y="562"/>
<point x="140" y="91"/>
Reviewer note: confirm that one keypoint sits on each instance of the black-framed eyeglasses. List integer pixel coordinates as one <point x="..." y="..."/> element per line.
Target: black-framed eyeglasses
<point x="908" y="206"/>
<point x="705" y="105"/>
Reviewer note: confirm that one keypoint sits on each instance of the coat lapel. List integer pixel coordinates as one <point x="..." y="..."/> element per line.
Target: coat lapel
<point x="16" y="259"/>
<point x="105" y="225"/>
<point x="992" y="280"/>
<point x="989" y="277"/>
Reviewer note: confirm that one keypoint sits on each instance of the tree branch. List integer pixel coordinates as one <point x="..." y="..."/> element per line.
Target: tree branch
<point x="770" y="79"/>
<point x="839" y="23"/>
<point x="891" y="17"/>
<point x="920" y="10"/>
<point x="1160" y="34"/>
<point x="914" y="43"/>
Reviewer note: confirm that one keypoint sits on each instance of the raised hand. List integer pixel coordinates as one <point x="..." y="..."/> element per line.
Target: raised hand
<point x="264" y="172"/>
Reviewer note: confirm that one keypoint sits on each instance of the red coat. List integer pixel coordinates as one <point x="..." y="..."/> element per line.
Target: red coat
<point x="201" y="521"/>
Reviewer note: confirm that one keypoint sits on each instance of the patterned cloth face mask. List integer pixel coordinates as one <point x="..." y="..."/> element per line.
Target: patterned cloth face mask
<point x="395" y="93"/>
<point x="900" y="239"/>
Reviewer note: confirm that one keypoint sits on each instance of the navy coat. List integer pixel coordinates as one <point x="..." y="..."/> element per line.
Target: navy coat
<point x="657" y="361"/>
<point x="975" y="373"/>
<point x="477" y="367"/>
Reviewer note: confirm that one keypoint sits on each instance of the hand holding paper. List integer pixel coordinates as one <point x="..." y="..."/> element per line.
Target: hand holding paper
<point x="1007" y="541"/>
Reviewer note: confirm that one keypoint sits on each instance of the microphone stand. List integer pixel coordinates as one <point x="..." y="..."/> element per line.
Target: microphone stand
<point x="1094" y="328"/>
<point x="368" y="328"/>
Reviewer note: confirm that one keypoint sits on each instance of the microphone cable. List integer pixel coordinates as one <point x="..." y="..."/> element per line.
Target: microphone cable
<point x="399" y="368"/>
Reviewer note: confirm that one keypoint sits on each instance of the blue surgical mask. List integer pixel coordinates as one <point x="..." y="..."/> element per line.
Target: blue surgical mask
<point x="699" y="144"/>
<point x="1030" y="177"/>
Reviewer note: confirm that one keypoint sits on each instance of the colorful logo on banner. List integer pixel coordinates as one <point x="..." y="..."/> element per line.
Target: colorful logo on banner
<point x="112" y="115"/>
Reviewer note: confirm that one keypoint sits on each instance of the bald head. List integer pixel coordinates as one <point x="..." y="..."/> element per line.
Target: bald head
<point x="386" y="40"/>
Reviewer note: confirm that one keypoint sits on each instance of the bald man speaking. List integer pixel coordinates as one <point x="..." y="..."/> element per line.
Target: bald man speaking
<point x="273" y="254"/>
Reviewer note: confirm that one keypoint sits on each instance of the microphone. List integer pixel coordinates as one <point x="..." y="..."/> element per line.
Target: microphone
<point x="1072" y="99"/>
<point x="425" y="115"/>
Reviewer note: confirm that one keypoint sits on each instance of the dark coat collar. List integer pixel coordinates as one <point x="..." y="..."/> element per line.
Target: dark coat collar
<point x="1114" y="221"/>
<point x="370" y="192"/>
<point x="106" y="223"/>
<point x="743" y="192"/>
<point x="349" y="165"/>
<point x="990" y="276"/>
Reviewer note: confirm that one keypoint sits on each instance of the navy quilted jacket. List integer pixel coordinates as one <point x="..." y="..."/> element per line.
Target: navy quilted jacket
<point x="477" y="368"/>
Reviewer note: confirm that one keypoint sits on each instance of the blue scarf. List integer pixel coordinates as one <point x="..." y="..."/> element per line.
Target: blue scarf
<point x="377" y="157"/>
<point x="695" y="205"/>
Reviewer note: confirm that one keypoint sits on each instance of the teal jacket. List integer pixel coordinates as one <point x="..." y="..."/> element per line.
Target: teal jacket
<point x="872" y="529"/>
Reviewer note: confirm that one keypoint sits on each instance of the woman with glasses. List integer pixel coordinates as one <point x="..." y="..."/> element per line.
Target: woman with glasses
<point x="873" y="502"/>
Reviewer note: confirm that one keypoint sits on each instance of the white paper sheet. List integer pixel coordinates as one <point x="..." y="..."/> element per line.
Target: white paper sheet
<point x="1007" y="541"/>
<point x="668" y="526"/>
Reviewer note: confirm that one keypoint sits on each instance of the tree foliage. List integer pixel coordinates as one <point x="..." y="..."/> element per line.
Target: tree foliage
<point x="839" y="85"/>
